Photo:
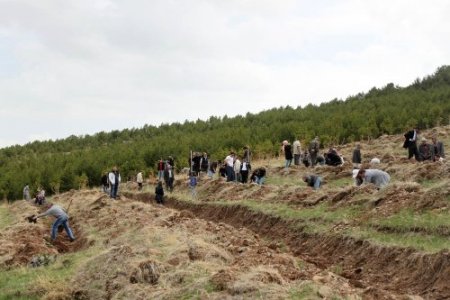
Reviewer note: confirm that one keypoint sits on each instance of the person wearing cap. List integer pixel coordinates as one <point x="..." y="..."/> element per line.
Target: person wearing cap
<point x="62" y="219"/>
<point x="426" y="150"/>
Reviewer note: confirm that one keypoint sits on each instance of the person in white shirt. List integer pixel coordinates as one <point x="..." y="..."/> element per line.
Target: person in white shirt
<point x="237" y="170"/>
<point x="139" y="180"/>
<point x="114" y="181"/>
<point x="297" y="151"/>
<point x="229" y="163"/>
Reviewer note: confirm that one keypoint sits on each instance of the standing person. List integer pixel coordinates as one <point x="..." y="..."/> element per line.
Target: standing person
<point x="247" y="154"/>
<point x="314" y="150"/>
<point x="426" y="151"/>
<point x="160" y="168"/>
<point x="204" y="162"/>
<point x="245" y="169"/>
<point x="193" y="184"/>
<point x="439" y="153"/>
<point x="169" y="177"/>
<point x="61" y="219"/>
<point x="229" y="163"/>
<point x="237" y="170"/>
<point x="377" y="177"/>
<point x="139" y="180"/>
<point x="26" y="192"/>
<point x="40" y="197"/>
<point x="159" y="193"/>
<point x="114" y="181"/>
<point x="356" y="156"/>
<point x="297" y="151"/>
<point x="105" y="182"/>
<point x="222" y="169"/>
<point x="313" y="181"/>
<point x="171" y="161"/>
<point x="411" y="143"/>
<point x="287" y="149"/>
<point x="306" y="160"/>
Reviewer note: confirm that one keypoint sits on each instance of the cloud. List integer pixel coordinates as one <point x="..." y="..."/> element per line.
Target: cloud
<point x="87" y="66"/>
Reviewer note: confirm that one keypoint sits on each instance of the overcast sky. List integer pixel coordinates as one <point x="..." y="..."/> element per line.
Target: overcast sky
<point x="80" y="67"/>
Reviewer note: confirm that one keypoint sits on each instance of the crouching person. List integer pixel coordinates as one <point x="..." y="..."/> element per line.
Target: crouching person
<point x="159" y="193"/>
<point x="62" y="219"/>
<point x="377" y="177"/>
<point x="313" y="181"/>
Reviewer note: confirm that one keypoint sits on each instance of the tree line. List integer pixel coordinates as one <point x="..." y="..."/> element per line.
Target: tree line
<point x="80" y="161"/>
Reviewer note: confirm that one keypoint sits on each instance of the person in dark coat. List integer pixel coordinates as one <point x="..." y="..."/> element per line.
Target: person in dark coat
<point x="245" y="170"/>
<point x="287" y="149"/>
<point x="426" y="151"/>
<point x="411" y="143"/>
<point x="259" y="176"/>
<point x="356" y="156"/>
<point x="204" y="162"/>
<point x="105" y="182"/>
<point x="332" y="158"/>
<point x="169" y="177"/>
<point x="159" y="193"/>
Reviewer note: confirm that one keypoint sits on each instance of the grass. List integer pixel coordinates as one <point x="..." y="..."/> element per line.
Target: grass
<point x="407" y="219"/>
<point x="5" y="217"/>
<point x="31" y="283"/>
<point x="341" y="182"/>
<point x="318" y="212"/>
<point x="422" y="242"/>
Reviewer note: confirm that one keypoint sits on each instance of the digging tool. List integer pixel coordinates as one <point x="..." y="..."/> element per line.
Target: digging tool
<point x="31" y="219"/>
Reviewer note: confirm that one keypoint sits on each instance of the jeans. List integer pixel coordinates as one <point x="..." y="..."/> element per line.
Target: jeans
<point x="160" y="174"/>
<point x="260" y="180"/>
<point x="114" y="188"/>
<point x="230" y="173"/>
<point x="193" y="191"/>
<point x="317" y="183"/>
<point x="288" y="163"/>
<point x="65" y="223"/>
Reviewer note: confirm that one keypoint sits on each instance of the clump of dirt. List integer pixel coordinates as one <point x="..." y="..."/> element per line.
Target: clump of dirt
<point x="146" y="272"/>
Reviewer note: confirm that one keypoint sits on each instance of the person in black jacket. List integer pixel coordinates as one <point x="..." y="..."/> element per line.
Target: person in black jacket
<point x="287" y="149"/>
<point x="356" y="157"/>
<point x="159" y="193"/>
<point x="258" y="176"/>
<point x="411" y="143"/>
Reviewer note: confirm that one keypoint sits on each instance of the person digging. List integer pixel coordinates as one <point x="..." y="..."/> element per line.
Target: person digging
<point x="62" y="219"/>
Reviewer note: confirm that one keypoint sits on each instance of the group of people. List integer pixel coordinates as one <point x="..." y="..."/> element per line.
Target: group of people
<point x="110" y="182"/>
<point x="311" y="156"/>
<point x="425" y="151"/>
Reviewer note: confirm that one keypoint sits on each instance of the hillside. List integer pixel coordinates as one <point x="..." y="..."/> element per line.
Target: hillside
<point x="79" y="161"/>
<point x="281" y="240"/>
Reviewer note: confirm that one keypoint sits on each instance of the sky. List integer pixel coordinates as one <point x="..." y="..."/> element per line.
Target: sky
<point x="85" y="66"/>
